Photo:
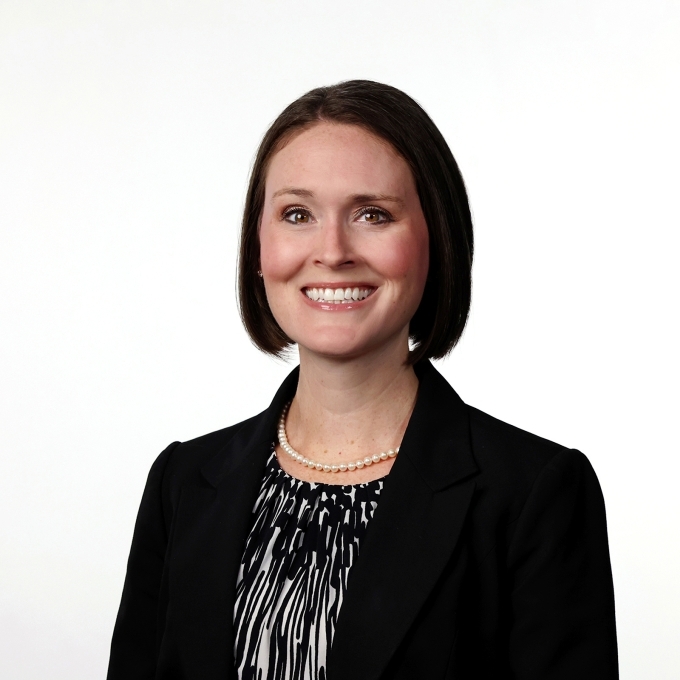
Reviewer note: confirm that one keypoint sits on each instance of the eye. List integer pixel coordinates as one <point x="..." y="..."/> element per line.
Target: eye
<point x="297" y="215"/>
<point x="373" y="215"/>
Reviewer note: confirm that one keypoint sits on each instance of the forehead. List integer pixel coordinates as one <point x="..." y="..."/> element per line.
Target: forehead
<point x="338" y="155"/>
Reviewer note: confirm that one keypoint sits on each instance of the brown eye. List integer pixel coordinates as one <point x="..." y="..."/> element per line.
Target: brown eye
<point x="296" y="216"/>
<point x="374" y="216"/>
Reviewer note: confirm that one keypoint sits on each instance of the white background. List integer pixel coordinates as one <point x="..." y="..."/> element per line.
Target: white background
<point x="127" y="129"/>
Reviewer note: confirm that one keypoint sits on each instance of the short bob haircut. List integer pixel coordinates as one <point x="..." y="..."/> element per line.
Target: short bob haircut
<point x="393" y="116"/>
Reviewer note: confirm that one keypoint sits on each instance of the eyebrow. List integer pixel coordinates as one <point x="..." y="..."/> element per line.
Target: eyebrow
<point x="305" y="193"/>
<point x="356" y="198"/>
<point x="371" y="198"/>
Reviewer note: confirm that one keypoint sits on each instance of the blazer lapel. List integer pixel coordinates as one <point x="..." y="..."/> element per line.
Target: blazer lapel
<point x="212" y="526"/>
<point x="412" y="534"/>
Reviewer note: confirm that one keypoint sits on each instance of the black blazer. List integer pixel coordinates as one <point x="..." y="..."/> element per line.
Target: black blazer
<point x="487" y="556"/>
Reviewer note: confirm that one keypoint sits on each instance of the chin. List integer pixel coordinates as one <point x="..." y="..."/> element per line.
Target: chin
<point x="335" y="346"/>
<point x="334" y="350"/>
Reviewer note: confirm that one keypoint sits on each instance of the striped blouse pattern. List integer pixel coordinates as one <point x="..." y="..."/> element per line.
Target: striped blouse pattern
<point x="293" y="574"/>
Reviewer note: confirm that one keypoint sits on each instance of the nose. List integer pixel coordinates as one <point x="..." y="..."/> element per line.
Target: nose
<point x="334" y="247"/>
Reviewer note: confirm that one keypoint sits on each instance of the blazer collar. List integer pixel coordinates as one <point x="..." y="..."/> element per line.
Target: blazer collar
<point x="213" y="521"/>
<point x="437" y="439"/>
<point x="249" y="439"/>
<point x="412" y="536"/>
<point x="439" y="423"/>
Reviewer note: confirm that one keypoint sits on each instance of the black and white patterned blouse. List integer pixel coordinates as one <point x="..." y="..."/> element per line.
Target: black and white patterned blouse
<point x="293" y="575"/>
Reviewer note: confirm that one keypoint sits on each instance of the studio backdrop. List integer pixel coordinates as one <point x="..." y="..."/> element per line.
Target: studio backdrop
<point x="127" y="130"/>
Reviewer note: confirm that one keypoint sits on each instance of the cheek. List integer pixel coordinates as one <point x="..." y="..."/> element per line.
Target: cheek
<point x="278" y="256"/>
<point x="408" y="258"/>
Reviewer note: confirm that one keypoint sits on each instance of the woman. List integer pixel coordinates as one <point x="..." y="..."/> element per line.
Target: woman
<point x="368" y="524"/>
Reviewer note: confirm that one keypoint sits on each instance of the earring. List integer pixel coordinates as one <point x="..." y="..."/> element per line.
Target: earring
<point x="259" y="273"/>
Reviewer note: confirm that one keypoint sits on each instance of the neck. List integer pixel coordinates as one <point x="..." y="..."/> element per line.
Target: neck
<point x="352" y="407"/>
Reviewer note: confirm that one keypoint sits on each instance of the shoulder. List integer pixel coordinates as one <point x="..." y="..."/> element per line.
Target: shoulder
<point x="512" y="461"/>
<point x="182" y="462"/>
<point x="498" y="443"/>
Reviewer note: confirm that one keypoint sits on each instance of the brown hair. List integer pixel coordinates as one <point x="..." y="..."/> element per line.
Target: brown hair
<point x="393" y="116"/>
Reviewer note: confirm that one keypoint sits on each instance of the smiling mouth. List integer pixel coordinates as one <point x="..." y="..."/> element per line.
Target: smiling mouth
<point x="339" y="296"/>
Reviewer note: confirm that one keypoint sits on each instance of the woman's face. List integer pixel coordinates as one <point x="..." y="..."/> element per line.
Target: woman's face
<point x="344" y="246"/>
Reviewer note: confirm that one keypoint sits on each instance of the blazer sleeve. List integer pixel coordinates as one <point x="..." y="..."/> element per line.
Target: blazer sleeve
<point x="134" y="643"/>
<point x="562" y="596"/>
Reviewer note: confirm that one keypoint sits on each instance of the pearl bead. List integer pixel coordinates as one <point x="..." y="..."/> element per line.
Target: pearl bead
<point x="313" y="465"/>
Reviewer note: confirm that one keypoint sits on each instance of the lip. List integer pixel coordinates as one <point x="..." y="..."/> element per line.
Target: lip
<point x="338" y="284"/>
<point x="332" y="307"/>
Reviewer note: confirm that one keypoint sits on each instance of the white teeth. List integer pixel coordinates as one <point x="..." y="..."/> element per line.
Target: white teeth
<point x="339" y="295"/>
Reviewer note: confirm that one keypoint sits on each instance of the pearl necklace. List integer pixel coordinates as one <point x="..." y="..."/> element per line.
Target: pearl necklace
<point x="342" y="467"/>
